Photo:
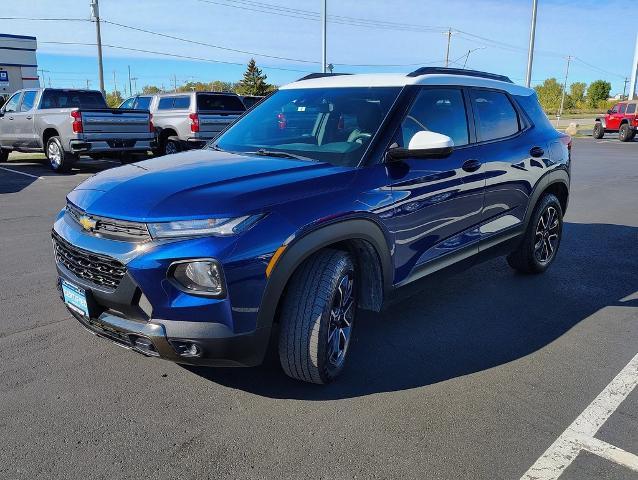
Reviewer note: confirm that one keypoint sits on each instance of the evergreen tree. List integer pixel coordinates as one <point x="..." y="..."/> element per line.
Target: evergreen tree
<point x="254" y="81"/>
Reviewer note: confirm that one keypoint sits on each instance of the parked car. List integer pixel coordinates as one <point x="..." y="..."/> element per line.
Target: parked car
<point x="622" y="118"/>
<point x="67" y="123"/>
<point x="188" y="120"/>
<point x="298" y="222"/>
<point x="251" y="100"/>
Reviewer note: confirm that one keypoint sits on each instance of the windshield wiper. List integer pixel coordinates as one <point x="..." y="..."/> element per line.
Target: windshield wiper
<point x="274" y="153"/>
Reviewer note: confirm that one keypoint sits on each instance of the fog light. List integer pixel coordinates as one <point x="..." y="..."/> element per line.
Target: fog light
<point x="187" y="349"/>
<point x="203" y="276"/>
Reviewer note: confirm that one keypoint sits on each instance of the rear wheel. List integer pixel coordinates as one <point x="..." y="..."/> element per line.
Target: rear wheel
<point x="540" y="244"/>
<point x="625" y="134"/>
<point x="599" y="131"/>
<point x="59" y="160"/>
<point x="317" y="317"/>
<point x="169" y="146"/>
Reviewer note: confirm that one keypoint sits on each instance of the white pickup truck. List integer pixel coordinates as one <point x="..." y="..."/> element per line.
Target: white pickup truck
<point x="66" y="123"/>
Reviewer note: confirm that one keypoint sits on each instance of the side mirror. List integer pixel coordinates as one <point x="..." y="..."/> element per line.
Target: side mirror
<point x="609" y="112"/>
<point x="424" y="144"/>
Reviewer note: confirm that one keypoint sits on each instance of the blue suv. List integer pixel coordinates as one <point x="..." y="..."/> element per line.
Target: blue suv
<point x="325" y="197"/>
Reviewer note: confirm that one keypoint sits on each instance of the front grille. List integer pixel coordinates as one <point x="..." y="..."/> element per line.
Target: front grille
<point x="109" y="227"/>
<point x="97" y="269"/>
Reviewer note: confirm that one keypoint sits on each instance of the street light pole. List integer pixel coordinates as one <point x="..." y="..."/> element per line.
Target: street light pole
<point x="95" y="9"/>
<point x="324" y="24"/>
<point x="447" y="51"/>
<point x="468" y="55"/>
<point x="530" y="54"/>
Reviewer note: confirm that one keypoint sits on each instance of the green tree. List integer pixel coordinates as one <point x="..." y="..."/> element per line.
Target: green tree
<point x="114" y="99"/>
<point x="598" y="92"/>
<point x="221" y="86"/>
<point x="194" y="87"/>
<point x="577" y="93"/>
<point x="549" y="94"/>
<point x="254" y="81"/>
<point x="151" y="90"/>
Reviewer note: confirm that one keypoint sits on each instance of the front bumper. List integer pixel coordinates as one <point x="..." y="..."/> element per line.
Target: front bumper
<point x="146" y="313"/>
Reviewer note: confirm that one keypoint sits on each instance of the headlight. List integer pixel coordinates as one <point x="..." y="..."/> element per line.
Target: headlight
<point x="200" y="276"/>
<point x="209" y="226"/>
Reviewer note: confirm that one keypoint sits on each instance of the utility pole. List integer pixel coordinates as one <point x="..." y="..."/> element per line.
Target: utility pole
<point x="324" y="25"/>
<point x="562" y="98"/>
<point x="88" y="83"/>
<point x="624" y="89"/>
<point x="530" y="54"/>
<point x="134" y="84"/>
<point x="447" y="51"/>
<point x="95" y="10"/>
<point x="174" y="83"/>
<point x="114" y="82"/>
<point x="130" y="91"/>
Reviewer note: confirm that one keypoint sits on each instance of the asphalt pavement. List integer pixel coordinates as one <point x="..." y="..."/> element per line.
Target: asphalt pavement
<point x="472" y="376"/>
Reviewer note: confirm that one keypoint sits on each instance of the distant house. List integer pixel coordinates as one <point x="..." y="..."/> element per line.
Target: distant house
<point x="18" y="64"/>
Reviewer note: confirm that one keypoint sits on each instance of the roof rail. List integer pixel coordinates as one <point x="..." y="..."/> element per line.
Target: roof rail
<point x="321" y="75"/>
<point x="457" y="71"/>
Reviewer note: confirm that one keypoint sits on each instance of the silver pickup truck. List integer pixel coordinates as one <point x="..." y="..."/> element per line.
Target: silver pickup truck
<point x="188" y="120"/>
<point x="67" y="123"/>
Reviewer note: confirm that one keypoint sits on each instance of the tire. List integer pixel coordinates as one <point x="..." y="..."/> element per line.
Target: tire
<point x="538" y="249"/>
<point x="599" y="131"/>
<point x="4" y="155"/>
<point x="319" y="306"/>
<point x="625" y="134"/>
<point x="59" y="160"/>
<point x="170" y="146"/>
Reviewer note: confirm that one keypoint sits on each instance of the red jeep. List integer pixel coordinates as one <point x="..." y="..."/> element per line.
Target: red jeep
<point x="622" y="118"/>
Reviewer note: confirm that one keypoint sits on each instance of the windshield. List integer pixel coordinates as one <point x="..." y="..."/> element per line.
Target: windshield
<point x="333" y="125"/>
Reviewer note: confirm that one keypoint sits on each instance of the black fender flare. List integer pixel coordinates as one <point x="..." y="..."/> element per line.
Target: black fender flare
<point x="558" y="176"/>
<point x="305" y="245"/>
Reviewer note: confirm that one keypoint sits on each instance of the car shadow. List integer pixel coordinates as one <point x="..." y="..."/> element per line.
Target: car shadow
<point x="454" y="325"/>
<point x="35" y="167"/>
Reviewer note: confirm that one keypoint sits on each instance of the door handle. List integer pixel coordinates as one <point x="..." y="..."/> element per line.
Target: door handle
<point x="537" y="152"/>
<point x="28" y="117"/>
<point x="10" y="118"/>
<point x="471" y="165"/>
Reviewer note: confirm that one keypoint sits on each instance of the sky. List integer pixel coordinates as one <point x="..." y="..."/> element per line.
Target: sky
<point x="284" y="37"/>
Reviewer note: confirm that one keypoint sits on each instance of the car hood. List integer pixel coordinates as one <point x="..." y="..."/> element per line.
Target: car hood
<point x="203" y="183"/>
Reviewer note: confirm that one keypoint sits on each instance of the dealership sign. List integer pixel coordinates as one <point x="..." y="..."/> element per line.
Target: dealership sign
<point x="4" y="76"/>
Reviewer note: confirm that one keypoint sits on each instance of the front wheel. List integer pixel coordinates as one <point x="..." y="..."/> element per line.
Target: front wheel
<point x="599" y="131"/>
<point x="59" y="160"/>
<point x="317" y="317"/>
<point x="539" y="246"/>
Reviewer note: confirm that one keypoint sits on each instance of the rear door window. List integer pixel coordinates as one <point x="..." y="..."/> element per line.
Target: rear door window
<point x="28" y="100"/>
<point x="631" y="108"/>
<point x="143" y="103"/>
<point x="181" y="102"/>
<point x="440" y="110"/>
<point x="72" y="99"/>
<point x="496" y="117"/>
<point x="224" y="103"/>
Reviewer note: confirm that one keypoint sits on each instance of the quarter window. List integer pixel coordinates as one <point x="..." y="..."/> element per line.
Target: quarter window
<point x="181" y="102"/>
<point x="631" y="108"/>
<point x="440" y="110"/>
<point x="495" y="115"/>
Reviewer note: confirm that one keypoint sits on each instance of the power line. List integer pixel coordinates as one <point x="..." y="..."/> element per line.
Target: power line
<point x="47" y="19"/>
<point x="594" y="67"/>
<point x="173" y="55"/>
